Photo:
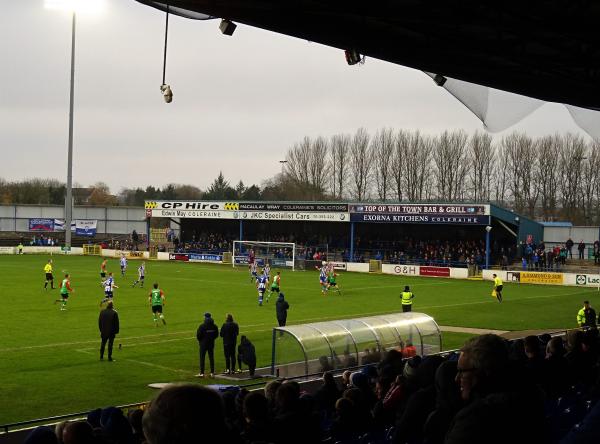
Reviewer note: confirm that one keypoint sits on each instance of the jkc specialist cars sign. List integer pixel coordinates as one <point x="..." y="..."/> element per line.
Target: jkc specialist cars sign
<point x="313" y="212"/>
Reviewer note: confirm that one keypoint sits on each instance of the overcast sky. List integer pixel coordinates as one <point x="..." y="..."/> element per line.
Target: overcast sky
<point x="239" y="102"/>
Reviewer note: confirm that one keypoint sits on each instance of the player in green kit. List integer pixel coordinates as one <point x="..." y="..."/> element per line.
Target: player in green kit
<point x="65" y="288"/>
<point x="275" y="285"/>
<point x="332" y="283"/>
<point x="157" y="301"/>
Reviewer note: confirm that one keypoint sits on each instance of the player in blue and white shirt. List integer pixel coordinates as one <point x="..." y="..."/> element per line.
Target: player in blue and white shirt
<point x="123" y="264"/>
<point x="267" y="272"/>
<point x="141" y="275"/>
<point x="109" y="286"/>
<point x="323" y="278"/>
<point x="261" y="286"/>
<point x="253" y="272"/>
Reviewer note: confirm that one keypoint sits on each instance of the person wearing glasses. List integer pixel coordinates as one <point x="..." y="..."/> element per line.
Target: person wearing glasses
<point x="502" y="404"/>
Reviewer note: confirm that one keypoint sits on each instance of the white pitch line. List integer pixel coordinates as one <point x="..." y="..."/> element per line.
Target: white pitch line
<point x="148" y="364"/>
<point x="300" y="321"/>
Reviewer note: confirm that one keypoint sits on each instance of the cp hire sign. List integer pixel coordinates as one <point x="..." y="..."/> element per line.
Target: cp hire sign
<point x="190" y="208"/>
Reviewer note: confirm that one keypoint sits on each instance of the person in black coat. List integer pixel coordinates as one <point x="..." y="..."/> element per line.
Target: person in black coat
<point x="247" y="355"/>
<point x="229" y="332"/>
<point x="281" y="308"/>
<point x="108" y="323"/>
<point x="206" y="334"/>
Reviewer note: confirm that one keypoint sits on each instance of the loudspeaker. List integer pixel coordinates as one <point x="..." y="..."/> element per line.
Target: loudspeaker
<point x="227" y="27"/>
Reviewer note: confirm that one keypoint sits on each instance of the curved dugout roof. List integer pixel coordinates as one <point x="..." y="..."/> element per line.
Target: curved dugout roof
<point x="310" y="348"/>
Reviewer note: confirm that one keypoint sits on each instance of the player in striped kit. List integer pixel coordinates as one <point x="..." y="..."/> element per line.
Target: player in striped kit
<point x="253" y="272"/>
<point x="109" y="286"/>
<point x="141" y="275"/>
<point x="123" y="263"/>
<point x="261" y="286"/>
<point x="323" y="278"/>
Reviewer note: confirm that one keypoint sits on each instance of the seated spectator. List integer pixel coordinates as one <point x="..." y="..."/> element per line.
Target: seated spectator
<point x="327" y="394"/>
<point x="556" y="367"/>
<point x="135" y="419"/>
<point x="447" y="404"/>
<point x="346" y="379"/>
<point x="493" y="389"/>
<point x="183" y="414"/>
<point x="345" y="424"/>
<point x="257" y="424"/>
<point x="41" y="435"/>
<point x="79" y="432"/>
<point x="420" y="404"/>
<point x="292" y="423"/>
<point x="324" y="365"/>
<point x="409" y="351"/>
<point x="349" y="359"/>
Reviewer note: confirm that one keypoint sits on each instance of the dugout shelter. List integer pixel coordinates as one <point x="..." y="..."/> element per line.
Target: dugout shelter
<point x="305" y="349"/>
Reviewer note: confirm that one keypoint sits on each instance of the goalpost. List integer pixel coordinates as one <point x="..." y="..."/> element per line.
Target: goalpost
<point x="276" y="254"/>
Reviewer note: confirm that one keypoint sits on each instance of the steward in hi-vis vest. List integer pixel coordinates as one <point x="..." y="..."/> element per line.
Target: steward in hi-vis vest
<point x="407" y="299"/>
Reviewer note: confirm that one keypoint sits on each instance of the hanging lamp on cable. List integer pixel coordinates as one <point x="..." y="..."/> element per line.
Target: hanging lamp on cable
<point x="164" y="88"/>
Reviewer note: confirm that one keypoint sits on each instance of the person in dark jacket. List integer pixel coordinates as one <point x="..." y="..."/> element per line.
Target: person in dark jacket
<point x="206" y="334"/>
<point x="281" y="308"/>
<point x="569" y="244"/>
<point x="229" y="332"/>
<point x="247" y="355"/>
<point x="108" y="323"/>
<point x="503" y="405"/>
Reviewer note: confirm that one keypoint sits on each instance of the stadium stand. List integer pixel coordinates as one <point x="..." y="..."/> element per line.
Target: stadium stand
<point x="539" y="389"/>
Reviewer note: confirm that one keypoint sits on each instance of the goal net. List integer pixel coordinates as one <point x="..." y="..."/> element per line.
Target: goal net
<point x="92" y="250"/>
<point x="276" y="254"/>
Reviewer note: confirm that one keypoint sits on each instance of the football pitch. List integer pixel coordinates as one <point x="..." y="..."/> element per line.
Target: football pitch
<point x="50" y="358"/>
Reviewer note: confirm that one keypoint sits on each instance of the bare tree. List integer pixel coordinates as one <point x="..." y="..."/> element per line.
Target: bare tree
<point x="481" y="159"/>
<point x="520" y="162"/>
<point x="450" y="159"/>
<point x="571" y="165"/>
<point x="501" y="174"/>
<point x="398" y="161"/>
<point x="338" y="163"/>
<point x="546" y="175"/>
<point x="361" y="163"/>
<point x="298" y="161"/>
<point x="589" y="182"/>
<point x="382" y="147"/>
<point x="317" y="166"/>
<point x="418" y="165"/>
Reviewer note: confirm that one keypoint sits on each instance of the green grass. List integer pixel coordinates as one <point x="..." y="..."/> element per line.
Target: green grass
<point x="49" y="359"/>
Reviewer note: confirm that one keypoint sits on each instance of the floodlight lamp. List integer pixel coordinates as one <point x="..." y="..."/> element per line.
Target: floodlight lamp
<point x="488" y="228"/>
<point x="79" y="6"/>
<point x="227" y="27"/>
<point x="167" y="93"/>
<point x="439" y="79"/>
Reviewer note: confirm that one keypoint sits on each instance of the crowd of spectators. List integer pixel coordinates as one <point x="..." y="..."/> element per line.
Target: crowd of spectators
<point x="437" y="252"/>
<point x="532" y="390"/>
<point x="539" y="257"/>
<point x="43" y="241"/>
<point x="204" y="243"/>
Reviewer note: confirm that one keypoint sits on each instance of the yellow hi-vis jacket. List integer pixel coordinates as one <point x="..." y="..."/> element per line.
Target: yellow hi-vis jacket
<point x="407" y="297"/>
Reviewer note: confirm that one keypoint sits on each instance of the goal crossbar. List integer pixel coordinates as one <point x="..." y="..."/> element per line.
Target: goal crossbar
<point x="240" y="254"/>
